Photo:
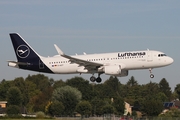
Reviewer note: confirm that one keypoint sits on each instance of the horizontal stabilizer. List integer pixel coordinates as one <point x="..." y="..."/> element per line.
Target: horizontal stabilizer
<point x="16" y="64"/>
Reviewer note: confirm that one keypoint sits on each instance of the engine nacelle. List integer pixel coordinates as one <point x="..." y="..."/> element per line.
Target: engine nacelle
<point x="112" y="70"/>
<point x="115" y="70"/>
<point x="123" y="73"/>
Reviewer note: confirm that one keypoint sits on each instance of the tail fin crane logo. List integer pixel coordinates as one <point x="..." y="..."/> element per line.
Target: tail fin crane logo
<point x="23" y="51"/>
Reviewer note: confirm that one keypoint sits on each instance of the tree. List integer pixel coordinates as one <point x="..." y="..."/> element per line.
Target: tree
<point x="84" y="108"/>
<point x="40" y="115"/>
<point x="4" y="86"/>
<point x="152" y="107"/>
<point x="69" y="96"/>
<point x="132" y="82"/>
<point x="13" y="110"/>
<point x="161" y="96"/>
<point x="82" y="85"/>
<point x="111" y="87"/>
<point x="164" y="87"/>
<point x="133" y="93"/>
<point x="108" y="109"/>
<point x="97" y="105"/>
<point x="41" y="81"/>
<point x="14" y="96"/>
<point x="41" y="92"/>
<point x="150" y="89"/>
<point x="35" y="103"/>
<point x="21" y="84"/>
<point x="177" y="90"/>
<point x="119" y="105"/>
<point x="59" y="83"/>
<point x="98" y="91"/>
<point x="56" y="108"/>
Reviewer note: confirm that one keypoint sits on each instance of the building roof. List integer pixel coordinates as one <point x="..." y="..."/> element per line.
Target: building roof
<point x="3" y="102"/>
<point x="177" y="103"/>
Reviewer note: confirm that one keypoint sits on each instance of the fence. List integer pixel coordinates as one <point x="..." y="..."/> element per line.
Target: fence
<point x="118" y="118"/>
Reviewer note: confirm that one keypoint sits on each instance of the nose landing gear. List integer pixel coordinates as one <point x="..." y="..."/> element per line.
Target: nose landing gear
<point x="151" y="75"/>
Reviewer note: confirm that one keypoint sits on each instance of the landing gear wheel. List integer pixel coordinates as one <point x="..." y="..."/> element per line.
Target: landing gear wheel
<point x="151" y="76"/>
<point x="92" y="79"/>
<point x="98" y="80"/>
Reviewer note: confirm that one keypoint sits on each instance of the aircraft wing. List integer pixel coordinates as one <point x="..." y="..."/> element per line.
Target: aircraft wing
<point x="87" y="64"/>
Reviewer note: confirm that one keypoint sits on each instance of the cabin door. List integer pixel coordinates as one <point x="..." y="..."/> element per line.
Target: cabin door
<point x="149" y="56"/>
<point x="41" y="64"/>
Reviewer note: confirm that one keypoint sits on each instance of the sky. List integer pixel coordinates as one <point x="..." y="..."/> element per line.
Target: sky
<point x="96" y="26"/>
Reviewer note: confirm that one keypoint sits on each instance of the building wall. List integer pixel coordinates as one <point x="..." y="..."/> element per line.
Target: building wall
<point x="128" y="109"/>
<point x="3" y="104"/>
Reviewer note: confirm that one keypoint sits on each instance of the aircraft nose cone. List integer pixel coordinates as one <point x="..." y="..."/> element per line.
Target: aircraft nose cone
<point x="170" y="60"/>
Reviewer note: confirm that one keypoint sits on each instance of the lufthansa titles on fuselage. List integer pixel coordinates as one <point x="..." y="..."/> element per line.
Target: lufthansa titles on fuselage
<point x="131" y="54"/>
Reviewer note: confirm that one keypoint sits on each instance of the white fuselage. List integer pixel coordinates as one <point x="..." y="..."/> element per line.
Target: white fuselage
<point x="127" y="60"/>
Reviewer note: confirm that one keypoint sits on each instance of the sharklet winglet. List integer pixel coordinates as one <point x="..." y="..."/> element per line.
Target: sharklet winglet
<point x="60" y="52"/>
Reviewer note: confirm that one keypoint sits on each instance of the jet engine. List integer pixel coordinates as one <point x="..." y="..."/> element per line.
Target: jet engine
<point x="115" y="70"/>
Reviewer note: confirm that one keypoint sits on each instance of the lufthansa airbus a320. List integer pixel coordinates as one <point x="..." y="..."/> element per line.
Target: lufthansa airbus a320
<point x="115" y="64"/>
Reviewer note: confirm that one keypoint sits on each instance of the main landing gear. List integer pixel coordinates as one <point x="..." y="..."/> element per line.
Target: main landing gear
<point x="151" y="75"/>
<point x="98" y="79"/>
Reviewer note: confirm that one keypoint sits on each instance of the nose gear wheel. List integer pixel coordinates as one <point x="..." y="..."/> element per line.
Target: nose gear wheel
<point x="151" y="75"/>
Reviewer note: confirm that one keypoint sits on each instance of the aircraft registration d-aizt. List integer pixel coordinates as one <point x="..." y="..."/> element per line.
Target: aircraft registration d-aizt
<point x="115" y="64"/>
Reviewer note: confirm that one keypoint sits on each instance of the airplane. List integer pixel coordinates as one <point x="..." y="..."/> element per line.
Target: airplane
<point x="115" y="64"/>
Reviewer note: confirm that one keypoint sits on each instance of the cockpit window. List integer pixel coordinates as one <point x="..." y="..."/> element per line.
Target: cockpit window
<point x="161" y="55"/>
